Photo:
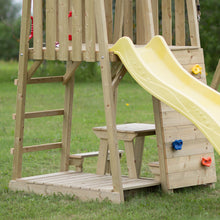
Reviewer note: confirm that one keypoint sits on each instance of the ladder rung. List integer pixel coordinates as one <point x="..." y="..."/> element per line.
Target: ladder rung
<point x="40" y="147"/>
<point x="39" y="114"/>
<point x="50" y="79"/>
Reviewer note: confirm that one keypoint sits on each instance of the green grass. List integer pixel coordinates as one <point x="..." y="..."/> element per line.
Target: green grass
<point x="188" y="203"/>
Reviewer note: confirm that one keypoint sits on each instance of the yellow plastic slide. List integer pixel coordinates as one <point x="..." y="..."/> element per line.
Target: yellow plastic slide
<point x="156" y="69"/>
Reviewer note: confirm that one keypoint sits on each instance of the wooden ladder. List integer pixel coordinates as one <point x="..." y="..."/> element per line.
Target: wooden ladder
<point x="21" y="115"/>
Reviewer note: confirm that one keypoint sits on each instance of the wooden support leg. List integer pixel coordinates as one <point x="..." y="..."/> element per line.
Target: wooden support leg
<point x="131" y="162"/>
<point x="108" y="97"/>
<point x="102" y="158"/>
<point x="138" y="153"/>
<point x="21" y="90"/>
<point x="67" y="120"/>
<point x="160" y="144"/>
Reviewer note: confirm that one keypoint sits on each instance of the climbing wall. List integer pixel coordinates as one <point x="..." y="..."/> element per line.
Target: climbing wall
<point x="183" y="167"/>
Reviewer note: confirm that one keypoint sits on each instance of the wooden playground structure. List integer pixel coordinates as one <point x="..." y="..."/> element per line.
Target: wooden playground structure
<point x="84" y="30"/>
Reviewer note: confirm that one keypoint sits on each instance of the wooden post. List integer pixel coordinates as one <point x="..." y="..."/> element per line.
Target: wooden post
<point x="67" y="118"/>
<point x="160" y="144"/>
<point x="108" y="97"/>
<point x="21" y="90"/>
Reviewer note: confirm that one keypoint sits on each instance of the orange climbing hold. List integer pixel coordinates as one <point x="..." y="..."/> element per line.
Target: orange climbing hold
<point x="207" y="161"/>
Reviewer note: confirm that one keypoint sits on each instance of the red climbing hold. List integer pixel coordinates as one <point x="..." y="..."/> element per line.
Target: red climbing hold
<point x="206" y="161"/>
<point x="70" y="14"/>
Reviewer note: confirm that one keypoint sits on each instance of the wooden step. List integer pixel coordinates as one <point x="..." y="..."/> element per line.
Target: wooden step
<point x="155" y="170"/>
<point x="39" y="114"/>
<point x="40" y="147"/>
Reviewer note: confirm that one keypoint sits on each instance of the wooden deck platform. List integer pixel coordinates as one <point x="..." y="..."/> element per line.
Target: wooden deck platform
<point x="84" y="186"/>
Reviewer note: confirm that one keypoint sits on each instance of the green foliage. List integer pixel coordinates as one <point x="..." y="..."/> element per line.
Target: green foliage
<point x="9" y="30"/>
<point x="210" y="32"/>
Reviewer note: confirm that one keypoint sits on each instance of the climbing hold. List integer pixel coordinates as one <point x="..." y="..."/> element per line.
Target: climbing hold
<point x="207" y="161"/>
<point x="32" y="28"/>
<point x="196" y="69"/>
<point x="70" y="14"/>
<point x="177" y="144"/>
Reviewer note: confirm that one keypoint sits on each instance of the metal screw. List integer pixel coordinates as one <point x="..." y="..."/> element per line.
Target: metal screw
<point x="102" y="57"/>
<point x="21" y="54"/>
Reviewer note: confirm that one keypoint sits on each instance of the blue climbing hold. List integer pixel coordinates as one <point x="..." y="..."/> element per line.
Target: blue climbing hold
<point x="177" y="144"/>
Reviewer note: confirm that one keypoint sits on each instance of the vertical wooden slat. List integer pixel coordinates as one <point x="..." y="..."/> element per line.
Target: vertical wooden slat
<point x="109" y="20"/>
<point x="63" y="30"/>
<point x="128" y="18"/>
<point x="51" y="29"/>
<point x="118" y="22"/>
<point x="167" y="21"/>
<point x="154" y="4"/>
<point x="148" y="18"/>
<point x="38" y="29"/>
<point x="193" y="23"/>
<point x="90" y="30"/>
<point x="21" y="90"/>
<point x="160" y="144"/>
<point x="67" y="118"/>
<point x="180" y="22"/>
<point x="108" y="97"/>
<point x="144" y="20"/>
<point x="77" y="30"/>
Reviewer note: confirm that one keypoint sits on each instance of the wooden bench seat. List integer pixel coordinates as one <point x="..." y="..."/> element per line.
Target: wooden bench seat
<point x="78" y="159"/>
<point x="133" y="135"/>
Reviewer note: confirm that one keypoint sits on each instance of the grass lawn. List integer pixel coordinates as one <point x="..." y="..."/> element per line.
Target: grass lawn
<point x="134" y="105"/>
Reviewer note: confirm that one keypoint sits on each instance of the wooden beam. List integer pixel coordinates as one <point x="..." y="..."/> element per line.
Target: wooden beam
<point x="67" y="119"/>
<point x="39" y="114"/>
<point x="108" y="97"/>
<point x="34" y="68"/>
<point x="71" y="71"/>
<point x="49" y="79"/>
<point x="40" y="147"/>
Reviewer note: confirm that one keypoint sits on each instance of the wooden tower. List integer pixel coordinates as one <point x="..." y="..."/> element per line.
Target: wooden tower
<point x="91" y="27"/>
